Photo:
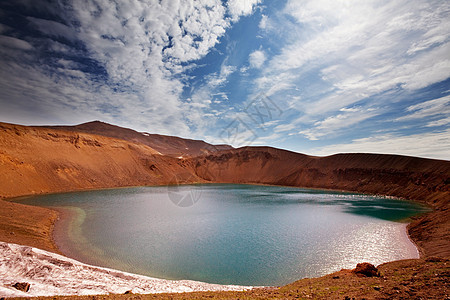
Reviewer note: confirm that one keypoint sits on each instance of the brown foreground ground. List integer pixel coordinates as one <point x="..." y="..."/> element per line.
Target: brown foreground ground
<point x="405" y="279"/>
<point x="36" y="160"/>
<point x="27" y="225"/>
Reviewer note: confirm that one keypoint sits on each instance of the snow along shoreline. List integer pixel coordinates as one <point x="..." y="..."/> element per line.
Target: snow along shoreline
<point x="51" y="274"/>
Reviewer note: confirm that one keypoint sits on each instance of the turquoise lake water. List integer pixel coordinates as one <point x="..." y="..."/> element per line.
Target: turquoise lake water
<point x="231" y="234"/>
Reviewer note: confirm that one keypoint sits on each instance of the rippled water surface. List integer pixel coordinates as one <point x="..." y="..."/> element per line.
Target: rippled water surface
<point x="231" y="234"/>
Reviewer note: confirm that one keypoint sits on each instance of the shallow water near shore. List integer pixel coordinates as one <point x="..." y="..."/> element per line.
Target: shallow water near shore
<point x="230" y="234"/>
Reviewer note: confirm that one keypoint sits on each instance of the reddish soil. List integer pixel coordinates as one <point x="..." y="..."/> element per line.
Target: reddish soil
<point x="36" y="160"/>
<point x="27" y="225"/>
<point x="404" y="279"/>
<point x="166" y="145"/>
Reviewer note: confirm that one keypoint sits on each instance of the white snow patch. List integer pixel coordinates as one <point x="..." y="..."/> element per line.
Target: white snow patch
<point x="50" y="274"/>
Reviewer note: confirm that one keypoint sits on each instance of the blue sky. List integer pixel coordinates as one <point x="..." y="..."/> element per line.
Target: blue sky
<point x="317" y="77"/>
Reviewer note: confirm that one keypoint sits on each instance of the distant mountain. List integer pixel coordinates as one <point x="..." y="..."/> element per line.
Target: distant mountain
<point x="166" y="145"/>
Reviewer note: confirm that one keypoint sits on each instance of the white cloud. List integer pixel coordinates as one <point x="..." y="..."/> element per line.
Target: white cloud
<point x="435" y="107"/>
<point x="431" y="145"/>
<point x="257" y="59"/>
<point x="402" y="43"/>
<point x="440" y="122"/>
<point x="284" y="127"/>
<point x="239" y="8"/>
<point x="53" y="28"/>
<point x="366" y="54"/>
<point x="203" y="97"/>
<point x="143" y="47"/>
<point x="57" y="98"/>
<point x="13" y="43"/>
<point x="264" y="22"/>
<point x="332" y="124"/>
<point x="215" y="80"/>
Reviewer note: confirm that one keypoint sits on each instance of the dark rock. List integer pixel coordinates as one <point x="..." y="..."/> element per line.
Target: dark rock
<point x="366" y="269"/>
<point x="22" y="286"/>
<point x="434" y="259"/>
<point x="335" y="277"/>
<point x="128" y="292"/>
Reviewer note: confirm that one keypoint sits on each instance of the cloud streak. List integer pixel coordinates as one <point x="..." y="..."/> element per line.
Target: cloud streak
<point x="431" y="145"/>
<point x="401" y="44"/>
<point x="432" y="108"/>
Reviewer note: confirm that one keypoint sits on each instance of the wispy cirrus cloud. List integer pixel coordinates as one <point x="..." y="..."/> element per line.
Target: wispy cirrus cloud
<point x="336" y="58"/>
<point x="430" y="144"/>
<point x="401" y="45"/>
<point x="437" y="108"/>
<point x="344" y="119"/>
<point x="14" y="43"/>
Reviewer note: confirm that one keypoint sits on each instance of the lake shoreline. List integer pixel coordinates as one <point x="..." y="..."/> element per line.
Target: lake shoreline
<point x="50" y="274"/>
<point x="60" y="214"/>
<point x="89" y="246"/>
<point x="61" y="217"/>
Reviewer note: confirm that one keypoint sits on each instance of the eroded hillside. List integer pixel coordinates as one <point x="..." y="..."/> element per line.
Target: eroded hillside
<point x="35" y="160"/>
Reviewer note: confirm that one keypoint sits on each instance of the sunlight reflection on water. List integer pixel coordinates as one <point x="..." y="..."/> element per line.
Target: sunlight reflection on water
<point x="234" y="234"/>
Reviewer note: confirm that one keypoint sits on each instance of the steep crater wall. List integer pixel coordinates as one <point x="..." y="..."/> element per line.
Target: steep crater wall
<point x="36" y="160"/>
<point x="423" y="180"/>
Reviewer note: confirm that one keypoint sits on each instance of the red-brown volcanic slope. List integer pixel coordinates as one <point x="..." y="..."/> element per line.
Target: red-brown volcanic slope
<point x="35" y="160"/>
<point x="424" y="180"/>
<point x="166" y="145"/>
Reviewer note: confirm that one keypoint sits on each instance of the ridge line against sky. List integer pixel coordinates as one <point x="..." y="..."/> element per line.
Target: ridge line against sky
<point x="317" y="77"/>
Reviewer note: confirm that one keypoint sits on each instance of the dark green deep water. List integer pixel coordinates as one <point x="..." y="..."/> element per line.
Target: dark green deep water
<point x="231" y="234"/>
